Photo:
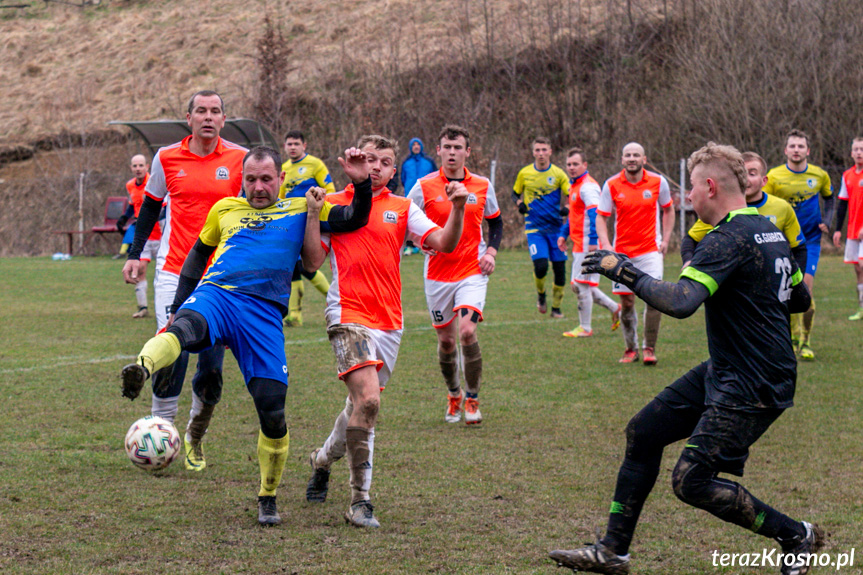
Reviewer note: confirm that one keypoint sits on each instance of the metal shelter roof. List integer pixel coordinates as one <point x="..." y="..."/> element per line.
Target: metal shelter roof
<point x="159" y="133"/>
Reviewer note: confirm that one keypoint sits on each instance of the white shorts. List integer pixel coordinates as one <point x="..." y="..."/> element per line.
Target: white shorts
<point x="853" y="251"/>
<point x="151" y="249"/>
<point x="357" y="346"/>
<point x="445" y="298"/>
<point x="578" y="277"/>
<point x="164" y="286"/>
<point x="650" y="263"/>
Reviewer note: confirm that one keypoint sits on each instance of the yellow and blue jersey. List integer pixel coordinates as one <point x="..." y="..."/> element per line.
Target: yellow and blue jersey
<point x="801" y="190"/>
<point x="306" y="173"/>
<point x="257" y="249"/>
<point x="541" y="192"/>
<point x="778" y="211"/>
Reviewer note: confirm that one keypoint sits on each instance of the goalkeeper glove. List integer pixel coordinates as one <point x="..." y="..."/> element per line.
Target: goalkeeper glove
<point x="616" y="267"/>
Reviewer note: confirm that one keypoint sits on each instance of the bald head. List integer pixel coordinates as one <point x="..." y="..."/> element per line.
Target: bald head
<point x="139" y="167"/>
<point x="633" y="160"/>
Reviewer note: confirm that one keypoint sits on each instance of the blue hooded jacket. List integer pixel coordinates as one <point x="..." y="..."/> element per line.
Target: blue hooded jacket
<point x="415" y="166"/>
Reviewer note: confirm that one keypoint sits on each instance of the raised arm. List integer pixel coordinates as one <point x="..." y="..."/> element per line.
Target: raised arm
<point x="446" y="239"/>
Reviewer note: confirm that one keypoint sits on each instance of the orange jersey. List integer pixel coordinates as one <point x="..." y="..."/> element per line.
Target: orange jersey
<point x="637" y="228"/>
<point x="583" y="195"/>
<point x="367" y="284"/>
<point x="429" y="194"/>
<point x="136" y="198"/>
<point x="191" y="184"/>
<point x="852" y="192"/>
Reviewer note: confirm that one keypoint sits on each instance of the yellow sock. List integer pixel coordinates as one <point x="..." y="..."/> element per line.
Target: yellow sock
<point x="124" y="249"/>
<point x="557" y="296"/>
<point x="272" y="454"/>
<point x="808" y="320"/>
<point x="161" y="351"/>
<point x="540" y="284"/>
<point x="795" y="326"/>
<point x="320" y="282"/>
<point x="295" y="304"/>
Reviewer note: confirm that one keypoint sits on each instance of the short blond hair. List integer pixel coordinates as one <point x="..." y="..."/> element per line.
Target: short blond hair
<point x="722" y="157"/>
<point x="379" y="142"/>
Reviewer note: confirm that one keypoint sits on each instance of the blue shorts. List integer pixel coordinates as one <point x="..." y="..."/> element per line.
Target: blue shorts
<point x="813" y="251"/>
<point x="251" y="327"/>
<point x="129" y="236"/>
<point x="544" y="247"/>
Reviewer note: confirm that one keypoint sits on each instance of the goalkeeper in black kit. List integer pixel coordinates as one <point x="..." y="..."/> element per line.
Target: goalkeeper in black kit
<point x="749" y="283"/>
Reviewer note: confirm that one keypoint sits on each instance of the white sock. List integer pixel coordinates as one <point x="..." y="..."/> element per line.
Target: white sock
<point x="335" y="446"/>
<point x="585" y="305"/>
<point x="860" y="294"/>
<point x="602" y="299"/>
<point x="141" y="293"/>
<point x="165" y="407"/>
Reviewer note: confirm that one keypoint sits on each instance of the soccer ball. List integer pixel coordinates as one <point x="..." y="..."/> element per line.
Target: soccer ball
<point x="152" y="443"/>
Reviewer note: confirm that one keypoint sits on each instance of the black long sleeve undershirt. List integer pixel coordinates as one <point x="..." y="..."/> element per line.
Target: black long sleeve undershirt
<point x="356" y="214"/>
<point x="841" y="212"/>
<point x="495" y="232"/>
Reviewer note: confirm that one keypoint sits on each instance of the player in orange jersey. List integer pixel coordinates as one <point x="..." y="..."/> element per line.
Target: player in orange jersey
<point x="192" y="174"/>
<point x="638" y="196"/>
<point x="580" y="226"/>
<point x="135" y="188"/>
<point x="364" y="315"/>
<point x="456" y="283"/>
<point x="852" y="193"/>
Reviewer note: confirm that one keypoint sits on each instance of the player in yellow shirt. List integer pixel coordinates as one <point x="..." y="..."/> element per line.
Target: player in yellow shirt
<point x="800" y="184"/>
<point x="541" y="194"/>
<point x="302" y="172"/>
<point x="779" y="212"/>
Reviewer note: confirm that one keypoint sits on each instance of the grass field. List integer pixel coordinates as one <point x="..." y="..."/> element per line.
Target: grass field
<point x="538" y="474"/>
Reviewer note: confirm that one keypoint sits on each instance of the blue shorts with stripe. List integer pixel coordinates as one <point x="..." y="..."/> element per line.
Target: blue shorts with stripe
<point x="251" y="327"/>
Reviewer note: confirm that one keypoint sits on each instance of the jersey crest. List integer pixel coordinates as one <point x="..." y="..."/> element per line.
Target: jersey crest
<point x="223" y="173"/>
<point x="391" y="217"/>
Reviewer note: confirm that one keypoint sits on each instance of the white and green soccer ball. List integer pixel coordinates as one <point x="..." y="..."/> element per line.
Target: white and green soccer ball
<point x="152" y="443"/>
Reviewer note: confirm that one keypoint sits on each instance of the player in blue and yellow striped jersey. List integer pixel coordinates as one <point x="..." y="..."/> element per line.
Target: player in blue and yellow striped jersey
<point x="801" y="184"/>
<point x="242" y="297"/>
<point x="541" y="193"/>
<point x="301" y="172"/>
<point x="778" y="211"/>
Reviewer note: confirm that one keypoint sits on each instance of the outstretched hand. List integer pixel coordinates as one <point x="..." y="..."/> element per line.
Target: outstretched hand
<point x="614" y="266"/>
<point x="354" y="165"/>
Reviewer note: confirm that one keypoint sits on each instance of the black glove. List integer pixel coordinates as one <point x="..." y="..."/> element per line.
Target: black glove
<point x="522" y="208"/>
<point x="121" y="223"/>
<point x="564" y="211"/>
<point x="616" y="267"/>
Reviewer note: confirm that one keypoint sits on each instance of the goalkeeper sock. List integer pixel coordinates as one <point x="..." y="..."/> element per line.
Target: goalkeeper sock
<point x="540" y="284"/>
<point x="161" y="351"/>
<point x="556" y="296"/>
<point x="272" y="454"/>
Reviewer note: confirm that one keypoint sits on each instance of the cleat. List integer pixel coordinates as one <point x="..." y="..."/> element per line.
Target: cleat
<point x="362" y="515"/>
<point x="629" y="356"/>
<point x="143" y="312"/>
<point x="319" y="482"/>
<point x="453" y="409"/>
<point x="813" y="541"/>
<point x="857" y="316"/>
<point x="649" y="356"/>
<point x="133" y="377"/>
<point x="596" y="558"/>
<point x="556" y="313"/>
<point x="267" y="513"/>
<point x="806" y="353"/>
<point x="540" y="303"/>
<point x="472" y="416"/>
<point x="615" y="318"/>
<point x="294" y="320"/>
<point x="195" y="460"/>
<point x="578" y="332"/>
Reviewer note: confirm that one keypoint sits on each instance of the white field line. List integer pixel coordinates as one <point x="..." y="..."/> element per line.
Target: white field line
<point x="71" y="361"/>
